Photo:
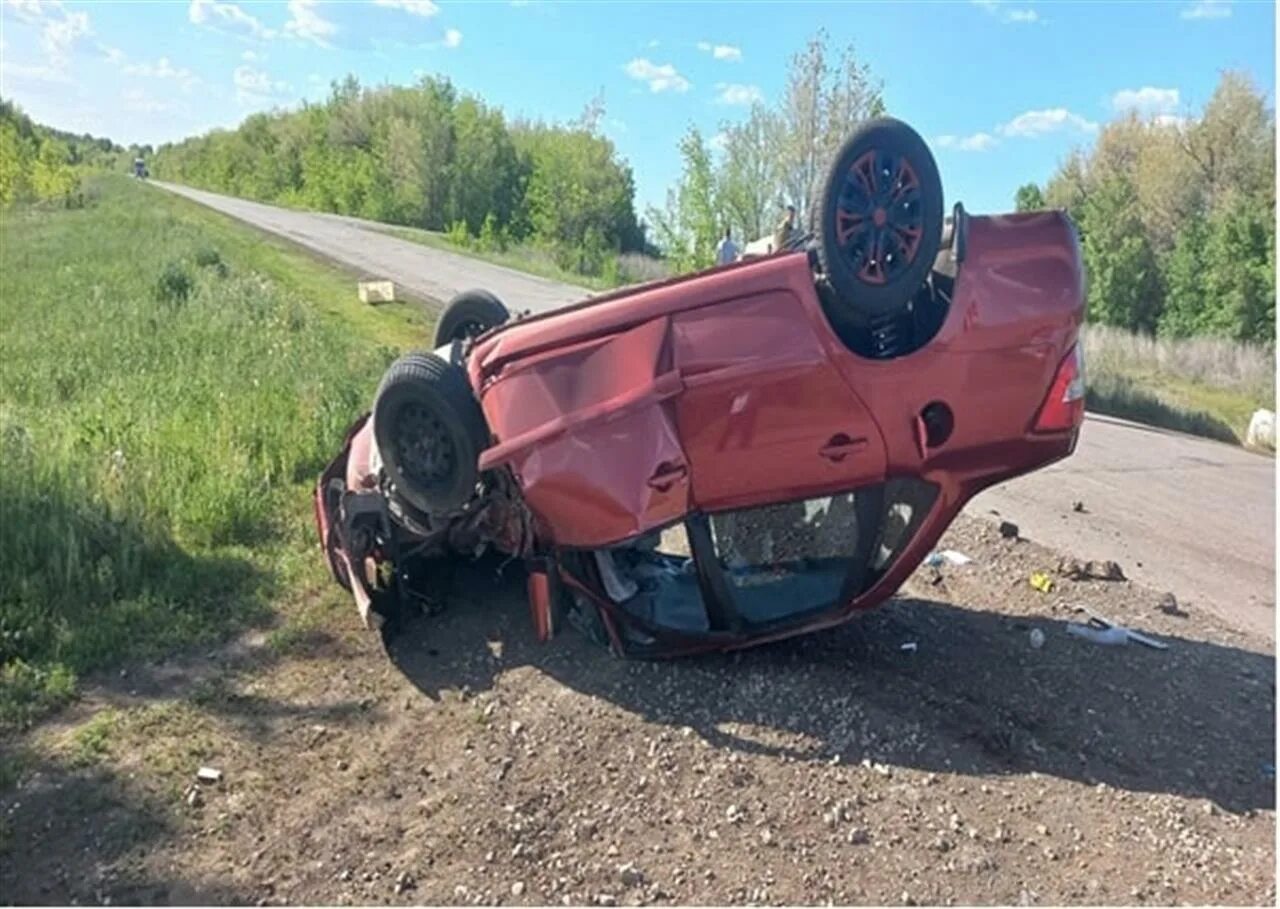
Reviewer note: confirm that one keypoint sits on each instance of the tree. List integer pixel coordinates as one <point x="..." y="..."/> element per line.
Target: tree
<point x="748" y="176"/>
<point x="821" y="106"/>
<point x="1029" y="198"/>
<point x="1124" y="285"/>
<point x="1175" y="215"/>
<point x="693" y="221"/>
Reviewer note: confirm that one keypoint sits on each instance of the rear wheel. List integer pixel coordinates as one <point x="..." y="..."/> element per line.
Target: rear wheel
<point x="469" y="314"/>
<point x="429" y="431"/>
<point x="880" y="222"/>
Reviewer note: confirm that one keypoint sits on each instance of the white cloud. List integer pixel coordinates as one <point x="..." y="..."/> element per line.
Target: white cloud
<point x="1172" y="120"/>
<point x="1034" y="123"/>
<point x="250" y="57"/>
<point x="452" y="38"/>
<point x="653" y="42"/>
<point x="659" y="77"/>
<point x="1207" y="9"/>
<point x="978" y="142"/>
<point x="1010" y="15"/>
<point x="112" y="55"/>
<point x="163" y="69"/>
<point x="1146" y="100"/>
<point x="38" y="72"/>
<point x="737" y="93"/>
<point x="721" y="51"/>
<point x="306" y="24"/>
<point x="216" y="14"/>
<point x="255" y="86"/>
<point x="137" y="100"/>
<point x="719" y="142"/>
<point x="61" y="34"/>
<point x="424" y="8"/>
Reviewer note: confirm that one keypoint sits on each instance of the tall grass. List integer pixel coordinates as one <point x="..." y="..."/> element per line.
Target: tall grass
<point x="1204" y="386"/>
<point x="1213" y="362"/>
<point x="158" y="419"/>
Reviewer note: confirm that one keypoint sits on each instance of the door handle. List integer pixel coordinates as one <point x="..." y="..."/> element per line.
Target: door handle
<point x="667" y="475"/>
<point x="840" y="446"/>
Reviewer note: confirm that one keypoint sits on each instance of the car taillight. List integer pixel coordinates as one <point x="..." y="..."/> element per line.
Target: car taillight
<point x="1063" y="408"/>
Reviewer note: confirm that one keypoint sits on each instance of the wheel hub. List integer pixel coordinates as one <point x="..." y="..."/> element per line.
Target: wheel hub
<point x="879" y="217"/>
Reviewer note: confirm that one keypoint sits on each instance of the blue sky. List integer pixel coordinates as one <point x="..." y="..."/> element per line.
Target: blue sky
<point x="1001" y="89"/>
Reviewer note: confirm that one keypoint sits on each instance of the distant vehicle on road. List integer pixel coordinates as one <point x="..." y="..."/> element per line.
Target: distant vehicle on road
<point x="735" y="456"/>
<point x="140" y="168"/>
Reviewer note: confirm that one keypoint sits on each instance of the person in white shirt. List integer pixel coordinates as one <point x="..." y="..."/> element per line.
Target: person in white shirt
<point x="726" y="250"/>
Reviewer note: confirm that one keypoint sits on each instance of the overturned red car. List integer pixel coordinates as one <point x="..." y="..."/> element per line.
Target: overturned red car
<point x="735" y="456"/>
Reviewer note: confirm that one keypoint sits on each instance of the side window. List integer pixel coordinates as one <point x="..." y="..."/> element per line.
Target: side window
<point x="786" y="559"/>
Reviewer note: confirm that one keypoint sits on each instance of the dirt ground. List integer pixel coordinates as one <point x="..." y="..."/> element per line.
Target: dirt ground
<point x="472" y="765"/>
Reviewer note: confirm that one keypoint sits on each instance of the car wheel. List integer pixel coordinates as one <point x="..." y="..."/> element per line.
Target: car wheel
<point x="470" y="313"/>
<point x="429" y="431"/>
<point x="880" y="222"/>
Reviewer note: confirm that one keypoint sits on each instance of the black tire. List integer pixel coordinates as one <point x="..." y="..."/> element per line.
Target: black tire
<point x="902" y="216"/>
<point x="429" y="431"/>
<point x="470" y="313"/>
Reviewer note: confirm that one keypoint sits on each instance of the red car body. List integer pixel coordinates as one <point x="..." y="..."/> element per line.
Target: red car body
<point x="730" y="390"/>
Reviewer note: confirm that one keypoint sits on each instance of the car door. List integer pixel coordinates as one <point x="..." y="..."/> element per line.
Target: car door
<point x="764" y="415"/>
<point x="589" y="432"/>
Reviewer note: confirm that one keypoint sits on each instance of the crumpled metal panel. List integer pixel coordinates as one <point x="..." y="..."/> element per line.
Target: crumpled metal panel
<point x="589" y="432"/>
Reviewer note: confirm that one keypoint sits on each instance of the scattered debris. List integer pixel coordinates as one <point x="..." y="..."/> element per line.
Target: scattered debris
<point x="1169" y="606"/>
<point x="1041" y="581"/>
<point x="1102" y="630"/>
<point x="193" y="797"/>
<point x="376" y="291"/>
<point x="404" y="882"/>
<point x="517" y="889"/>
<point x="1037" y="638"/>
<point x="1108" y="637"/>
<point x="209" y="775"/>
<point x="1077" y="570"/>
<point x="1078" y="507"/>
<point x="1262" y="430"/>
<point x="947" y="556"/>
<point x="1009" y="530"/>
<point x="910" y="647"/>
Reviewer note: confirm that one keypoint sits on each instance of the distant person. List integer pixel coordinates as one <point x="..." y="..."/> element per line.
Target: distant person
<point x="726" y="249"/>
<point x="786" y="227"/>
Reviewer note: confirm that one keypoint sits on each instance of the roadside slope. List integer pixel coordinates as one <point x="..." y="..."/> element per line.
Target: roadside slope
<point x="365" y="246"/>
<point x="1179" y="513"/>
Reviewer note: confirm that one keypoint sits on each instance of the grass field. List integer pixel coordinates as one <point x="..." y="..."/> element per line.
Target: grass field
<point x="172" y="384"/>
<point x="1203" y="386"/>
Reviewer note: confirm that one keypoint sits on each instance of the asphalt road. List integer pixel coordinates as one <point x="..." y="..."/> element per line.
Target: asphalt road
<point x="1178" y="513"/>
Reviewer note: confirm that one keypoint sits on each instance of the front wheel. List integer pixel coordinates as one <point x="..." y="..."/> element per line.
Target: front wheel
<point x="880" y="222"/>
<point x="429" y="431"/>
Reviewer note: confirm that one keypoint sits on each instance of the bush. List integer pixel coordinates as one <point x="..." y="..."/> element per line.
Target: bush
<point x="458" y="235"/>
<point x="174" y="284"/>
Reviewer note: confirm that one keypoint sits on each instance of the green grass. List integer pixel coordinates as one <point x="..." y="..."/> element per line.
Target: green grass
<point x="172" y="383"/>
<point x="525" y="258"/>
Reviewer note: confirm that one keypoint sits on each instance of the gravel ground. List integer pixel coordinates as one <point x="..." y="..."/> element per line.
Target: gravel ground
<point x="471" y="765"/>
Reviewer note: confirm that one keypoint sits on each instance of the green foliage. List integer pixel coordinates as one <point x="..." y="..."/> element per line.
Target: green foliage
<point x="152" y="450"/>
<point x="427" y="157"/>
<point x="458" y="234"/>
<point x="1124" y="285"/>
<point x="174" y="284"/>
<point x="1029" y="198"/>
<point x="693" y="222"/>
<point x="42" y="164"/>
<point x="1178" y="218"/>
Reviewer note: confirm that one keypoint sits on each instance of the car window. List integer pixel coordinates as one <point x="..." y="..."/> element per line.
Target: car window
<point x="781" y="560"/>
